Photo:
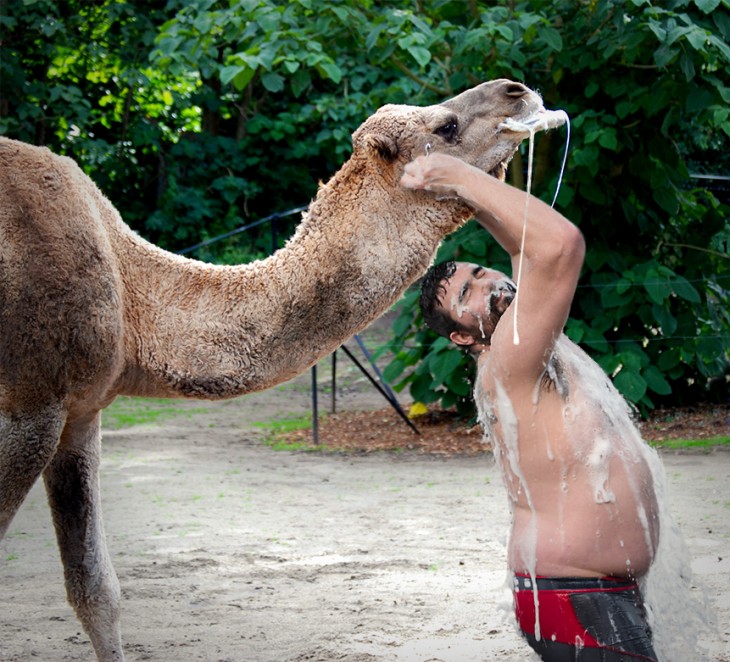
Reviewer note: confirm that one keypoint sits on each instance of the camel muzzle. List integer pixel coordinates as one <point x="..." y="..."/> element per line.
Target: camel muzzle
<point x="542" y="120"/>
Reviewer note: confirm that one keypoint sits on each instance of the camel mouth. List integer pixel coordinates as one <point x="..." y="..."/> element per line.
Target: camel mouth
<point x="499" y="171"/>
<point x="542" y="120"/>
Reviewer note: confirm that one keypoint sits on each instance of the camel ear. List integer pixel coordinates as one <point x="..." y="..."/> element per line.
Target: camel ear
<point x="384" y="145"/>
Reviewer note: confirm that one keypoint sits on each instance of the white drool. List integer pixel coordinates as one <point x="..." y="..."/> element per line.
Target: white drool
<point x="541" y="121"/>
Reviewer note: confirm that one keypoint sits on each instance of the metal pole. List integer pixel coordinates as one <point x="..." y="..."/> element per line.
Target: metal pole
<point x="334" y="381"/>
<point x="393" y="402"/>
<point x="374" y="366"/>
<point x="274" y="238"/>
<point x="315" y="413"/>
<point x="238" y="230"/>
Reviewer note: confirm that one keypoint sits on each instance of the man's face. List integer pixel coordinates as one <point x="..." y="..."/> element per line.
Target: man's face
<point x="476" y="298"/>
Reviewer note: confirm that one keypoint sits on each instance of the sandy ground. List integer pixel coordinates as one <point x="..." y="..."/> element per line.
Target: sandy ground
<point x="229" y="550"/>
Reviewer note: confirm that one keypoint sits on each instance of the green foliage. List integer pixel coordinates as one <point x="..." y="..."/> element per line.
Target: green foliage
<point x="203" y="196"/>
<point x="652" y="305"/>
<point x="198" y="116"/>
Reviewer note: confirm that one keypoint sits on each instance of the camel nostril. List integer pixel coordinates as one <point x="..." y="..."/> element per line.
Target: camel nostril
<point x="515" y="90"/>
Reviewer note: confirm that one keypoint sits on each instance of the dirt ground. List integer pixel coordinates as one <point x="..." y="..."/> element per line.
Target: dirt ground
<point x="229" y="550"/>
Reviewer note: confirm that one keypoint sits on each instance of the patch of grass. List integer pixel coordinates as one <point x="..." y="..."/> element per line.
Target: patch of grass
<point x="283" y="425"/>
<point x="126" y="412"/>
<point x="283" y="445"/>
<point x="675" y="444"/>
<point x="279" y="428"/>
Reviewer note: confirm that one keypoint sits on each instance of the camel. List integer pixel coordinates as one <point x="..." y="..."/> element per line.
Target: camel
<point x="89" y="310"/>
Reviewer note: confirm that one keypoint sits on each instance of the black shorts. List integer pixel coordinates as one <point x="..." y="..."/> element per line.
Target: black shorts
<point x="590" y="619"/>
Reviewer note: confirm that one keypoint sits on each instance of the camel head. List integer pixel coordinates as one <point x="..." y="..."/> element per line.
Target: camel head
<point x="483" y="126"/>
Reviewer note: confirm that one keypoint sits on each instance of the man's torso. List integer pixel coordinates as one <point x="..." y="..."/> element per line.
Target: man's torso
<point x="575" y="469"/>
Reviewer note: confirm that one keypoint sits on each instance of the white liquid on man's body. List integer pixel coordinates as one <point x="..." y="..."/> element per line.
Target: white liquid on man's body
<point x="677" y="617"/>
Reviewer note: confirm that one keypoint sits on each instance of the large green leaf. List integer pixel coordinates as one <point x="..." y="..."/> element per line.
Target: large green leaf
<point x="631" y="384"/>
<point x="444" y="363"/>
<point x="655" y="381"/>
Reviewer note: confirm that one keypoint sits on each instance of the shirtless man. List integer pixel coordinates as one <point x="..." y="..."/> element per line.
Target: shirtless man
<point x="584" y="512"/>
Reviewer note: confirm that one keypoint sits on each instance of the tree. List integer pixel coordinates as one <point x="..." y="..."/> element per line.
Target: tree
<point x="197" y="116"/>
<point x="652" y="306"/>
<point x="75" y="77"/>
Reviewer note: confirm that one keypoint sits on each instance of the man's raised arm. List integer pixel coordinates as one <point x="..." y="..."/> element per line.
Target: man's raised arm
<point x="553" y="251"/>
<point x="499" y="208"/>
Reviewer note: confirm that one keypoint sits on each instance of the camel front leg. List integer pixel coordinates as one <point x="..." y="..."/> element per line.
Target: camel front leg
<point x="72" y="483"/>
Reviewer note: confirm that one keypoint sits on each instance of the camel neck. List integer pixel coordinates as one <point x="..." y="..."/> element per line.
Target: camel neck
<point x="214" y="332"/>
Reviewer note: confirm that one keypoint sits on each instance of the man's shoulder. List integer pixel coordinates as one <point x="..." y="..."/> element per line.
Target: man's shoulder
<point x="493" y="371"/>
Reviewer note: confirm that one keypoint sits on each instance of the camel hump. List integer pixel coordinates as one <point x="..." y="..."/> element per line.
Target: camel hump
<point x="59" y="288"/>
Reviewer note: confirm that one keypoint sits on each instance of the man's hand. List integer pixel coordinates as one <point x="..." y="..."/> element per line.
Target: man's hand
<point x="439" y="173"/>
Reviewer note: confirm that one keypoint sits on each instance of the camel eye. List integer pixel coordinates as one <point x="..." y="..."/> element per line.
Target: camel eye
<point x="448" y="131"/>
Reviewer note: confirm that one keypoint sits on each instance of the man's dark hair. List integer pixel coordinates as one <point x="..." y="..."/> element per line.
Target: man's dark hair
<point x="433" y="287"/>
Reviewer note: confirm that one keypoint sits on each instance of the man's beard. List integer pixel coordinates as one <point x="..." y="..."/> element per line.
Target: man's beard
<point x="501" y="297"/>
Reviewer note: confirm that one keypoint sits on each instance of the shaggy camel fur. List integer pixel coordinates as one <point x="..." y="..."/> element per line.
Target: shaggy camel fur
<point x="89" y="310"/>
